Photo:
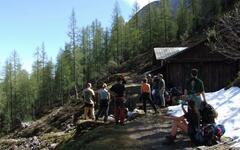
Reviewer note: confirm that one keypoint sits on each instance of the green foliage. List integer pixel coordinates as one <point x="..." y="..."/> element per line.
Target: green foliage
<point x="117" y="39"/>
<point x="210" y="9"/>
<point x="167" y="23"/>
<point x="63" y="76"/>
<point x="224" y="36"/>
<point x="184" y="22"/>
<point x="93" y="53"/>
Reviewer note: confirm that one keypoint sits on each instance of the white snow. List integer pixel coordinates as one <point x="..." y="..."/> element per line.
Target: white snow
<point x="227" y="104"/>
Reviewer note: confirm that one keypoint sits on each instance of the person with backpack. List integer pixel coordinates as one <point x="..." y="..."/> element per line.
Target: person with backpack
<point x="195" y="89"/>
<point x="118" y="92"/>
<point x="146" y="95"/>
<point x="104" y="97"/>
<point x="89" y="95"/>
<point x="191" y="126"/>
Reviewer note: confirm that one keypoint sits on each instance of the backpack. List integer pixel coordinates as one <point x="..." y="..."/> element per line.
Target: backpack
<point x="208" y="114"/>
<point x="209" y="134"/>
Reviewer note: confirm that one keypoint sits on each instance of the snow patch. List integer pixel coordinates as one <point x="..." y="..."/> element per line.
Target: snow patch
<point x="227" y="104"/>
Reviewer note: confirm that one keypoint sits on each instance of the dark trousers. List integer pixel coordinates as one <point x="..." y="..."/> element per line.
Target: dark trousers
<point x="147" y="97"/>
<point x="156" y="97"/>
<point x="103" y="109"/>
<point x="119" y="111"/>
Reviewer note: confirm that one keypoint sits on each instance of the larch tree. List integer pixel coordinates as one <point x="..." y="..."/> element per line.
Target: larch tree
<point x="73" y="34"/>
<point x="183" y="19"/>
<point x="167" y="23"/>
<point x="117" y="32"/>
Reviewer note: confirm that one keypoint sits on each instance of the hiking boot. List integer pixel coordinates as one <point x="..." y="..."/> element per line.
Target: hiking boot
<point x="169" y="140"/>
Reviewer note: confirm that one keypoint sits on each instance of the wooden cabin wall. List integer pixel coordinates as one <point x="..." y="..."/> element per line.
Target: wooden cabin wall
<point x="216" y="70"/>
<point x="215" y="75"/>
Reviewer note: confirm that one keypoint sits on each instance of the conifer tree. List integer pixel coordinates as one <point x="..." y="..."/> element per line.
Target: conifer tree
<point x="74" y="36"/>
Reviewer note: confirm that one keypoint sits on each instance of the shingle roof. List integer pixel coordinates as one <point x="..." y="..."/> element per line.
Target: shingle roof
<point x="165" y="52"/>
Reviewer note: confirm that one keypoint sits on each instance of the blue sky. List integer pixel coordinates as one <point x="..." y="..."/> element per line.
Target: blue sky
<point x="25" y="24"/>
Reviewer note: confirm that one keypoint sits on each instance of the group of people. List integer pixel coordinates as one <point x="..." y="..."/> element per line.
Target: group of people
<point x="152" y="91"/>
<point x="194" y="118"/>
<point x="158" y="86"/>
<point x="117" y="91"/>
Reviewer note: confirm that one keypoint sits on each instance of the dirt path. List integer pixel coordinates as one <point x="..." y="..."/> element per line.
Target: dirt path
<point x="150" y="131"/>
<point x="144" y="133"/>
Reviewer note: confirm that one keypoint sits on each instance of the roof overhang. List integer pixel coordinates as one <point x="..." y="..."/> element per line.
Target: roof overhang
<point x="163" y="53"/>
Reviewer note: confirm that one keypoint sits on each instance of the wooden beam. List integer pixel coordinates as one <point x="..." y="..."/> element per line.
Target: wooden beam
<point x="192" y="60"/>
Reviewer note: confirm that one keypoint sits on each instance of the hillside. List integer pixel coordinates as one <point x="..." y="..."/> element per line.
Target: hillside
<point x="155" y="4"/>
<point x="58" y="130"/>
<point x="63" y="126"/>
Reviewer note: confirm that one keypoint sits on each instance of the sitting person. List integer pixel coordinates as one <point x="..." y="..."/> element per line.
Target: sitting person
<point x="188" y="123"/>
<point x="175" y="95"/>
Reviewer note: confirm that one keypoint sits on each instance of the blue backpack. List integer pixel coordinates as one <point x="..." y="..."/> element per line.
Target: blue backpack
<point x="209" y="134"/>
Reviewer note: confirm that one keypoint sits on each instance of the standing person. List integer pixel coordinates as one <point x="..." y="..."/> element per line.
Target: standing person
<point x="89" y="95"/>
<point x="162" y="90"/>
<point x="104" y="97"/>
<point x="150" y="81"/>
<point x="118" y="91"/>
<point x="146" y="95"/>
<point x="155" y="90"/>
<point x="195" y="89"/>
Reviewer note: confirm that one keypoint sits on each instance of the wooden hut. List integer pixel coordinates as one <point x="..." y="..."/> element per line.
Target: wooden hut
<point x="215" y="69"/>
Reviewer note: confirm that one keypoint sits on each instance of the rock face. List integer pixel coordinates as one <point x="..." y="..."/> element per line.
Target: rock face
<point x="145" y="9"/>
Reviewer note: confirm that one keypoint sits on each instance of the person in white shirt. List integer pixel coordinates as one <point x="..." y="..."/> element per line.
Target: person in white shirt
<point x="89" y="95"/>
